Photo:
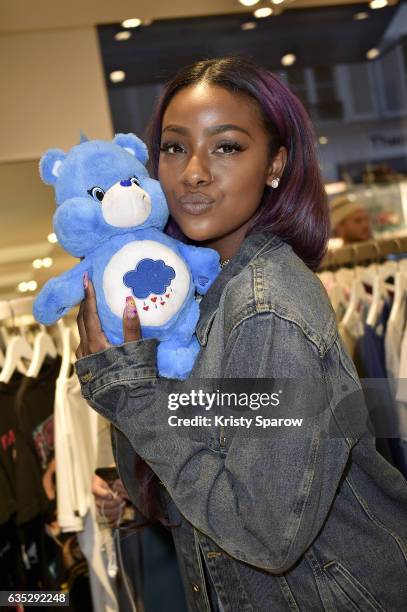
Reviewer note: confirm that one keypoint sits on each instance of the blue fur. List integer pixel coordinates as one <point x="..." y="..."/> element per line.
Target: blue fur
<point x="84" y="232"/>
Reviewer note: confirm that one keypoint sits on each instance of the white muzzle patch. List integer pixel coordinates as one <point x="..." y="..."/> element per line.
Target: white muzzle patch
<point x="126" y="206"/>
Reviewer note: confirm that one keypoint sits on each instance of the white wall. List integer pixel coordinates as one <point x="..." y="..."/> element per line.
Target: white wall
<point x="52" y="86"/>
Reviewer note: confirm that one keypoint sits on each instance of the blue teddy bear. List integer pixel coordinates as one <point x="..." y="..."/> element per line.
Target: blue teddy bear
<point x="111" y="214"/>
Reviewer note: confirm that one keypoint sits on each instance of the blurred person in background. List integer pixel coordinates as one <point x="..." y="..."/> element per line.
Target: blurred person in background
<point x="350" y="220"/>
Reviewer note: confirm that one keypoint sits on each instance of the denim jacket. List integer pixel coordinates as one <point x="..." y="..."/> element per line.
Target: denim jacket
<point x="300" y="520"/>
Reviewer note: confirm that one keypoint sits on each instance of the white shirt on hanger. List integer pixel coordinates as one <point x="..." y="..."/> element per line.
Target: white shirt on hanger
<point x="76" y="438"/>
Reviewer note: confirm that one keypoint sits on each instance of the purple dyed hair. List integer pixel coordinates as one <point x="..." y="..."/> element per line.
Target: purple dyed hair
<point x="297" y="211"/>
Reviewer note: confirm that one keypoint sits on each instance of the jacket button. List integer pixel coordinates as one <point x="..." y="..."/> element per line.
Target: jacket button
<point x="86" y="377"/>
<point x="195" y="587"/>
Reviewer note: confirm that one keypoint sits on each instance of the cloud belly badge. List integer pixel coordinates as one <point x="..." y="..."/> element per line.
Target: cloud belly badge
<point x="150" y="282"/>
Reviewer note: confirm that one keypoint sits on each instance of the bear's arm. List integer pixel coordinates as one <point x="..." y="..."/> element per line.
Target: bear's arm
<point x="60" y="294"/>
<point x="204" y="265"/>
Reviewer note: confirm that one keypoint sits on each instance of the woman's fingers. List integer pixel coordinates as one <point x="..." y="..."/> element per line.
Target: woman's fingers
<point x="100" y="488"/>
<point x="81" y="351"/>
<point x="108" y="502"/>
<point x="92" y="338"/>
<point x="96" y="339"/>
<point x="131" y="321"/>
<point x="120" y="490"/>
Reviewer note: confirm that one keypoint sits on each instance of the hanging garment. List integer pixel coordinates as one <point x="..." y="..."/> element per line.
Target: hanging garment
<point x="8" y="428"/>
<point x="12" y="575"/>
<point x="104" y="455"/>
<point x="370" y="353"/>
<point x="401" y="407"/>
<point x="67" y="505"/>
<point x="8" y="504"/>
<point x="59" y="556"/>
<point x="76" y="427"/>
<point x="35" y="410"/>
<point x="401" y="394"/>
<point x="20" y="484"/>
<point x="97" y="544"/>
<point x="353" y="332"/>
<point x="393" y="341"/>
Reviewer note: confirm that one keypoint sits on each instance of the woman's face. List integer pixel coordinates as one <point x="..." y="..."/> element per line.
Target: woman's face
<point x="215" y="163"/>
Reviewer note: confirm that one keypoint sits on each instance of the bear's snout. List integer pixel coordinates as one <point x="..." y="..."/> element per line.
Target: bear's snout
<point x="126" y="204"/>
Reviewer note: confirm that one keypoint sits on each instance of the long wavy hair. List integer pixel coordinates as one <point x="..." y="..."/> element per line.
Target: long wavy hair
<point x="297" y="211"/>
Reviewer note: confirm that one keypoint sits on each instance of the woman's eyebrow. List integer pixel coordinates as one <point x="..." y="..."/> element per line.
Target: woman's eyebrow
<point x="217" y="129"/>
<point x="175" y="128"/>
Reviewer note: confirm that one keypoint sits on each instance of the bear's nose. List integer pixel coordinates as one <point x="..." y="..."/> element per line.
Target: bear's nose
<point x="126" y="183"/>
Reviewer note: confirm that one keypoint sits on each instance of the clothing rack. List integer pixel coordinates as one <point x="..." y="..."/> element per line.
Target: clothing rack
<point x="363" y="253"/>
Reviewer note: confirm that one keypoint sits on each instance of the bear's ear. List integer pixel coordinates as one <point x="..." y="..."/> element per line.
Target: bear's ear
<point x="133" y="145"/>
<point x="49" y="165"/>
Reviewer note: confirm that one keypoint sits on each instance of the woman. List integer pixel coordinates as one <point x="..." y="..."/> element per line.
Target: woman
<point x="289" y="519"/>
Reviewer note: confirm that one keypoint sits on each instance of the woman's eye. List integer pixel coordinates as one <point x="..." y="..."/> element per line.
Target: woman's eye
<point x="134" y="181"/>
<point x="229" y="147"/>
<point x="97" y="193"/>
<point x="171" y="148"/>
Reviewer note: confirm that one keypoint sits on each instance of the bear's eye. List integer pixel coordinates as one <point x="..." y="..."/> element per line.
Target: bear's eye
<point x="97" y="193"/>
<point x="134" y="181"/>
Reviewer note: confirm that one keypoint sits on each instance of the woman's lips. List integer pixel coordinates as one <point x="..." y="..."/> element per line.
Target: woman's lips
<point x="195" y="205"/>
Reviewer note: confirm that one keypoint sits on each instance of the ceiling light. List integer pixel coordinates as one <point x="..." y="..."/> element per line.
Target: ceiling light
<point x="335" y="188"/>
<point x="123" y="35"/>
<point x="37" y="263"/>
<point x="372" y="54"/>
<point x="323" y="140"/>
<point x="248" y="25"/>
<point x="378" y="4"/>
<point x="131" y="23"/>
<point x="31" y="285"/>
<point x="277" y="1"/>
<point x="360" y="16"/>
<point x="335" y="243"/>
<point x="52" y="238"/>
<point x="47" y="262"/>
<point x="264" y="11"/>
<point x="248" y="2"/>
<point x="22" y="287"/>
<point x="117" y="75"/>
<point x="288" y="59"/>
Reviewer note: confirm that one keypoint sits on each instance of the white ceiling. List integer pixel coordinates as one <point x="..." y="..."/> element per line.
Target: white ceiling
<point x="48" y="14"/>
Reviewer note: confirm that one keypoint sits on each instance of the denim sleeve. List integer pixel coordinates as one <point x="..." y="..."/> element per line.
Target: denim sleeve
<point x="266" y="496"/>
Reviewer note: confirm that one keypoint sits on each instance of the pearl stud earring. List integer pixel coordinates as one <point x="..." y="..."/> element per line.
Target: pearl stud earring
<point x="275" y="183"/>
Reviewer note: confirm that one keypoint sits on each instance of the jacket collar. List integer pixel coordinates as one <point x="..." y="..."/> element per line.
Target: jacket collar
<point x="252" y="247"/>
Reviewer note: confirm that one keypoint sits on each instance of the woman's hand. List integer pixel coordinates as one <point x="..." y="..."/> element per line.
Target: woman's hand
<point x="110" y="503"/>
<point x="92" y="338"/>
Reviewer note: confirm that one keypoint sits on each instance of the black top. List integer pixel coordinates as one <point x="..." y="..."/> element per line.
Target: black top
<point x="36" y="462"/>
<point x="8" y="453"/>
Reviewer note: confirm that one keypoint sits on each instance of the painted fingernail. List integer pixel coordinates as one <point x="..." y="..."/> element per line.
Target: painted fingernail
<point x="85" y="280"/>
<point x="131" y="309"/>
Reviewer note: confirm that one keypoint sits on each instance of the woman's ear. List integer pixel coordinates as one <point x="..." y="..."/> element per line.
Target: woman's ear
<point x="277" y="166"/>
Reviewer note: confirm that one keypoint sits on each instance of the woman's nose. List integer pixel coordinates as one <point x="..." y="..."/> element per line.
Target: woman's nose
<point x="196" y="172"/>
